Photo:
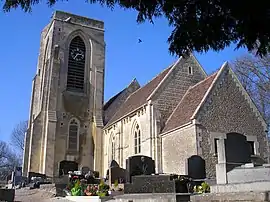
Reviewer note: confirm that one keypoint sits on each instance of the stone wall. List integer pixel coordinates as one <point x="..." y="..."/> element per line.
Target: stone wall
<point x="227" y="110"/>
<point x="179" y="80"/>
<point x="35" y="145"/>
<point x="177" y="147"/>
<point x="49" y="133"/>
<point x="91" y="102"/>
<point x="122" y="131"/>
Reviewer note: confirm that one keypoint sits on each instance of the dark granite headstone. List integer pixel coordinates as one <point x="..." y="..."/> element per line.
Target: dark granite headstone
<point x="96" y="174"/>
<point x="196" y="167"/>
<point x="117" y="173"/>
<point x="139" y="165"/>
<point x="237" y="150"/>
<point x="7" y="194"/>
<point x="33" y="174"/>
<point x="66" y="166"/>
<point x="114" y="164"/>
<point x="156" y="184"/>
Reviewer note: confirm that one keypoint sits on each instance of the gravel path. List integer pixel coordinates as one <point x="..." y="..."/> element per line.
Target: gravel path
<point x="36" y="195"/>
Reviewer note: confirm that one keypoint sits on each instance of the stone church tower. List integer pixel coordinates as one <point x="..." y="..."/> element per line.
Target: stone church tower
<point x="65" y="123"/>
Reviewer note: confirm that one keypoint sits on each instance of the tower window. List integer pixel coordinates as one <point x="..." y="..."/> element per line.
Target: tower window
<point x="190" y="70"/>
<point x="73" y="133"/>
<point x="137" y="139"/>
<point x="76" y="65"/>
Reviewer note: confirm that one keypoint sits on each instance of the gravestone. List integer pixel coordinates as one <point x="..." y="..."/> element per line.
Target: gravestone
<point x="237" y="150"/>
<point x="17" y="176"/>
<point x="96" y="174"/>
<point x="196" y="167"/>
<point x="117" y="173"/>
<point x="7" y="194"/>
<point x="85" y="170"/>
<point x="34" y="175"/>
<point x="66" y="166"/>
<point x="157" y="184"/>
<point x="139" y="165"/>
<point x="114" y="164"/>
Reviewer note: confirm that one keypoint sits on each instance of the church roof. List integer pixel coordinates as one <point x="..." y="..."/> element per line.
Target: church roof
<point x="111" y="106"/>
<point x="112" y="99"/>
<point x="187" y="106"/>
<point x="139" y="97"/>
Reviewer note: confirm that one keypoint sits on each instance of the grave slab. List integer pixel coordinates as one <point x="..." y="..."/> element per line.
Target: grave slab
<point x="241" y="187"/>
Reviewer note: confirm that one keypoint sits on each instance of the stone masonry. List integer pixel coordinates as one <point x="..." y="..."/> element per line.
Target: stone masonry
<point x="53" y="107"/>
<point x="227" y="110"/>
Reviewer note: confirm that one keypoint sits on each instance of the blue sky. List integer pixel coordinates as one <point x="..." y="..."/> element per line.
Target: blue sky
<point x="125" y="58"/>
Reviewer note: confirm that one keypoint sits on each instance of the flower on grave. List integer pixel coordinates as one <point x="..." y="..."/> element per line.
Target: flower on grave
<point x="77" y="189"/>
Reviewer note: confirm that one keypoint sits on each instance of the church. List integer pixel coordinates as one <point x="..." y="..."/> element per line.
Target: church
<point x="179" y="113"/>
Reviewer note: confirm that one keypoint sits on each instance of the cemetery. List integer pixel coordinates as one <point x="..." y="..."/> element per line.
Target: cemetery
<point x="237" y="179"/>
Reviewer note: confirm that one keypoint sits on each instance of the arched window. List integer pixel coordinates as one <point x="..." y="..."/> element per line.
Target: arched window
<point x="113" y="149"/>
<point x="73" y="132"/>
<point x="137" y="139"/>
<point x="76" y="65"/>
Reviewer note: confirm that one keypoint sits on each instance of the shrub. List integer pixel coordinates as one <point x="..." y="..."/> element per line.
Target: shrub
<point x="203" y="188"/>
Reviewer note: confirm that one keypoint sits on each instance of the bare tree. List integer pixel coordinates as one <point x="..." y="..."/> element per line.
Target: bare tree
<point x="8" y="160"/>
<point x="4" y="154"/>
<point x="17" y="136"/>
<point x="254" y="73"/>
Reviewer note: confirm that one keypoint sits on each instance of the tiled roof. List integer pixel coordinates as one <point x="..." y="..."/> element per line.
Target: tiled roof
<point x="139" y="97"/>
<point x="189" y="103"/>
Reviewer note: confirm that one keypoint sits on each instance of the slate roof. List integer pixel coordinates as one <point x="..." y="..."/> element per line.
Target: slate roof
<point x="110" y="109"/>
<point x="111" y="100"/>
<point x="191" y="100"/>
<point x="139" y="97"/>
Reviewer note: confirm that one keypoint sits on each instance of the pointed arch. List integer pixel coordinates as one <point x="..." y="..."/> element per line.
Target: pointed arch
<point x="73" y="134"/>
<point x="76" y="64"/>
<point x="136" y="135"/>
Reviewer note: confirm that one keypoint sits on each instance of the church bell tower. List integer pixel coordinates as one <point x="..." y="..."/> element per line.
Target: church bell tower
<point x="65" y="122"/>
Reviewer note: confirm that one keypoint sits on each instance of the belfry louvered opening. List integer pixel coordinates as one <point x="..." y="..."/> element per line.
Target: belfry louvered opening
<point x="76" y="65"/>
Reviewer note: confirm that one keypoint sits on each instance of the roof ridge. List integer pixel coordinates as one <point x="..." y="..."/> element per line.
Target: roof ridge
<point x="154" y="81"/>
<point x="218" y="73"/>
<point x="208" y="77"/>
<point x="133" y="80"/>
<point x="149" y="81"/>
<point x="197" y="61"/>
